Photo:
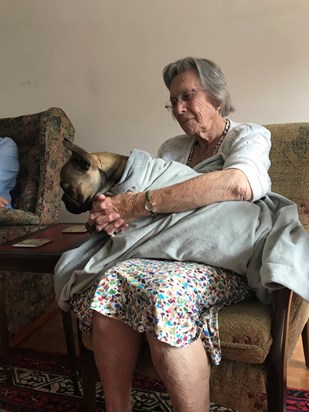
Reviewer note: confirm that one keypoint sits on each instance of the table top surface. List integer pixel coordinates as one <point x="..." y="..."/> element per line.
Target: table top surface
<point x="61" y="242"/>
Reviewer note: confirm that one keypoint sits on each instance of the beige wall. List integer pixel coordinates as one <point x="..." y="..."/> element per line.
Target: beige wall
<point x="101" y="61"/>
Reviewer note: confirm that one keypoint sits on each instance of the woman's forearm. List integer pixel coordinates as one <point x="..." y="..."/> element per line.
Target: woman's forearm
<point x="206" y="189"/>
<point x="114" y="213"/>
<point x="203" y="190"/>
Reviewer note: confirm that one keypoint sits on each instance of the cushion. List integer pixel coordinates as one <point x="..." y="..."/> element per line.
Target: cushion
<point x="15" y="217"/>
<point x="245" y="338"/>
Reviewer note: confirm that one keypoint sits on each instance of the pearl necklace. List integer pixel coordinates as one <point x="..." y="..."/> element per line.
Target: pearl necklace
<point x="226" y="129"/>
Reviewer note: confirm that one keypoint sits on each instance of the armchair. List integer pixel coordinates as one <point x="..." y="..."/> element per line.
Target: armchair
<point x="36" y="200"/>
<point x="256" y="339"/>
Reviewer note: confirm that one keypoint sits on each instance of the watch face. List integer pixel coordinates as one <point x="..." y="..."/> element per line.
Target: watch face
<point x="149" y="206"/>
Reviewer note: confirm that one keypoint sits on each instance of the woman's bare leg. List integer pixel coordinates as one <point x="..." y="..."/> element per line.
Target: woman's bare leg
<point x="185" y="372"/>
<point x="116" y="349"/>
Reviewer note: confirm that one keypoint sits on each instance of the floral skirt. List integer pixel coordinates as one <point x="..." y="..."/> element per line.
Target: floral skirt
<point x="176" y="302"/>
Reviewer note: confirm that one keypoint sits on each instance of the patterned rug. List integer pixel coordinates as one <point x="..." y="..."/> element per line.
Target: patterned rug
<point x="42" y="384"/>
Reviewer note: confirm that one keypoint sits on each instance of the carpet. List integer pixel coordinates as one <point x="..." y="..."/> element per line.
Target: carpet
<point x="42" y="384"/>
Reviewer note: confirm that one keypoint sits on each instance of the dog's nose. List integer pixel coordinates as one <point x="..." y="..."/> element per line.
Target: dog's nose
<point x="73" y="206"/>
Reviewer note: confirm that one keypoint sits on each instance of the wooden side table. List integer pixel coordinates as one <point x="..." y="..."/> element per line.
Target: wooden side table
<point x="38" y="260"/>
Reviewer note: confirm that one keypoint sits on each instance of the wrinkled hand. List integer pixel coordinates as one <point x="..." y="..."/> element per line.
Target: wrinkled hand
<point x="110" y="214"/>
<point x="3" y="202"/>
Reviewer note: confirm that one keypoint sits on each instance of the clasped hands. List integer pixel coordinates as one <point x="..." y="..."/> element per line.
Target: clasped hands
<point x="110" y="213"/>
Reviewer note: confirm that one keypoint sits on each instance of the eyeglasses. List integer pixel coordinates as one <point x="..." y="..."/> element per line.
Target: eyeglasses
<point x="183" y="97"/>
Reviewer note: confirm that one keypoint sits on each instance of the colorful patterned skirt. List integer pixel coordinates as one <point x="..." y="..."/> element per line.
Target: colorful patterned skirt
<point x="176" y="302"/>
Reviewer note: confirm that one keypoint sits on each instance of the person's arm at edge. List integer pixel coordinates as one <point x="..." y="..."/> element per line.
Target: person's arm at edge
<point x="3" y="202"/>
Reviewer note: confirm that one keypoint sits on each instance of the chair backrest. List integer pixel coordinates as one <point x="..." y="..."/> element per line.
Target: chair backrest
<point x="39" y="139"/>
<point x="289" y="169"/>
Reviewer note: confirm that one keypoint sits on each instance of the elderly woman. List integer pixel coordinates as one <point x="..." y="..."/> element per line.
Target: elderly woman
<point x="9" y="168"/>
<point x="176" y="304"/>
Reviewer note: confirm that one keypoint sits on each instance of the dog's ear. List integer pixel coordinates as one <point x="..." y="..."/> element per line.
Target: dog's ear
<point x="80" y="157"/>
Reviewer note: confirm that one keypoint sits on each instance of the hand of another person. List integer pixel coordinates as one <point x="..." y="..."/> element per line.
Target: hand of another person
<point x="4" y="202"/>
<point x="111" y="213"/>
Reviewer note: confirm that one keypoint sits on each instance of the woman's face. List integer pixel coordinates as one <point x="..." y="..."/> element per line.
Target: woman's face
<point x="193" y="110"/>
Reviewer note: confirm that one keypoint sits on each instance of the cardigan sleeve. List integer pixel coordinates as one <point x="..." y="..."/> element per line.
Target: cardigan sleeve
<point x="247" y="147"/>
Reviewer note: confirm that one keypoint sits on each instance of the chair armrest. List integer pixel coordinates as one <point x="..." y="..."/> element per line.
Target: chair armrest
<point x="15" y="217"/>
<point x="54" y="127"/>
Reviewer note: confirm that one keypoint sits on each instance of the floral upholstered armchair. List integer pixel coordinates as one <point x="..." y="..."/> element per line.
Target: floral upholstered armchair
<point x="36" y="200"/>
<point x="256" y="340"/>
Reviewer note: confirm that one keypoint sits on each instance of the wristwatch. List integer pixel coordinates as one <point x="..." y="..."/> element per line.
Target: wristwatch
<point x="149" y="206"/>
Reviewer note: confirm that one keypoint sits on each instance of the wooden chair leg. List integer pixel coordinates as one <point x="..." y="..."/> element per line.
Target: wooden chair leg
<point x="305" y="340"/>
<point x="69" y="338"/>
<point x="88" y="375"/>
<point x="277" y="363"/>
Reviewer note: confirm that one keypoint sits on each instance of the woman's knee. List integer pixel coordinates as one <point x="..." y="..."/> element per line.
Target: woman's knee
<point x="102" y="323"/>
<point x="157" y="348"/>
<point x="161" y="350"/>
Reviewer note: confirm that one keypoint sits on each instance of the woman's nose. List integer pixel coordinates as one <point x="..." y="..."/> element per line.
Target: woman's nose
<point x="179" y="107"/>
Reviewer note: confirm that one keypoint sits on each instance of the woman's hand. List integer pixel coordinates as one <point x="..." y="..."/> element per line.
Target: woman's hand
<point x="4" y="202"/>
<point x="112" y="213"/>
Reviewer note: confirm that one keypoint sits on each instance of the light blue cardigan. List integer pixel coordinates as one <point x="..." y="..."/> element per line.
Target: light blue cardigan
<point x="9" y="167"/>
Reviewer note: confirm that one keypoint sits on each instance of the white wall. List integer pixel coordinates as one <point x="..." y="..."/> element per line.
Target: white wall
<point x="101" y="62"/>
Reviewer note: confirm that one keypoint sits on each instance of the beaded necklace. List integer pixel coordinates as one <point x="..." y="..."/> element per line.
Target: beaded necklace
<point x="226" y="129"/>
